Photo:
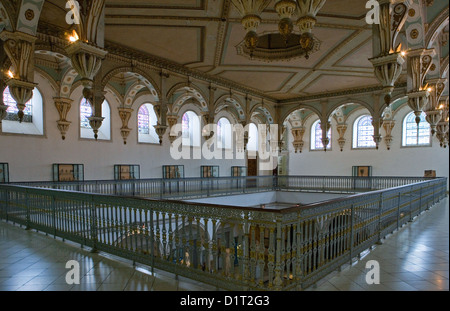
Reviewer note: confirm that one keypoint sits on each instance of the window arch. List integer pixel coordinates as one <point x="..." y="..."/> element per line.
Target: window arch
<point x="363" y="132"/>
<point x="224" y="133"/>
<point x="104" y="133"/>
<point x="33" y="120"/>
<point x="147" y="120"/>
<point x="413" y="136"/>
<point x="316" y="137"/>
<point x="190" y="129"/>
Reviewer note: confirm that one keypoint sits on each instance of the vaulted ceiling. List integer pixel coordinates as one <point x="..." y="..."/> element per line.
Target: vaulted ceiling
<point x="204" y="34"/>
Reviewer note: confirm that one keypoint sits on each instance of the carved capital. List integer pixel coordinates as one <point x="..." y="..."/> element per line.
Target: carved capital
<point x="298" y="142"/>
<point x="63" y="106"/>
<point x="20" y="50"/>
<point x="125" y="115"/>
<point x="419" y="62"/>
<point x="388" y="126"/>
<point x="342" y="129"/>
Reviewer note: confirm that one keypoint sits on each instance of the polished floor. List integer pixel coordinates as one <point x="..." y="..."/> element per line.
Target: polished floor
<point x="415" y="258"/>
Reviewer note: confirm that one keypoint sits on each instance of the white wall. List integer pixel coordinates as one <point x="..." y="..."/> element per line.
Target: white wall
<point x="399" y="161"/>
<point x="31" y="157"/>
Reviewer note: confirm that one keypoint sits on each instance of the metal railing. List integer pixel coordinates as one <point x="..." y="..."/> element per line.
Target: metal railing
<point x="206" y="187"/>
<point x="229" y="247"/>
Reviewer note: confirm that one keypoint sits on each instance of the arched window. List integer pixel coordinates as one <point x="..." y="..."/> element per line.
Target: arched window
<point x="413" y="136"/>
<point x="147" y="120"/>
<point x="316" y="137"/>
<point x="104" y="133"/>
<point x="190" y="129"/>
<point x="143" y="120"/>
<point x="363" y="132"/>
<point x="224" y="133"/>
<point x="33" y="120"/>
<point x="253" y="137"/>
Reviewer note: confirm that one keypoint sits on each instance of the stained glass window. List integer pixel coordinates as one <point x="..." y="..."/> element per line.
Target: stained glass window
<point x="147" y="121"/>
<point x="316" y="137"/>
<point x="13" y="110"/>
<point x="364" y="132"/>
<point x="413" y="135"/>
<point x="144" y="120"/>
<point x="191" y="133"/>
<point x="185" y="126"/>
<point x="85" y="113"/>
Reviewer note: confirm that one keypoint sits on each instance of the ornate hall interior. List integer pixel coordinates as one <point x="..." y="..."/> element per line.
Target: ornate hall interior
<point x="135" y="128"/>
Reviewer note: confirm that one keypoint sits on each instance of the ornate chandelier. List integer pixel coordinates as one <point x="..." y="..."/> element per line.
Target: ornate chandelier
<point x="306" y="10"/>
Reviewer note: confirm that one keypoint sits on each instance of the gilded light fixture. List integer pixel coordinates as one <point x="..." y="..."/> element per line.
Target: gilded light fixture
<point x="250" y="11"/>
<point x="285" y="10"/>
<point x="307" y="10"/>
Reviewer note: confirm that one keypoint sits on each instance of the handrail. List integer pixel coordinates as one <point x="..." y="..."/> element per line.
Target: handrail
<point x="205" y="187"/>
<point x="235" y="248"/>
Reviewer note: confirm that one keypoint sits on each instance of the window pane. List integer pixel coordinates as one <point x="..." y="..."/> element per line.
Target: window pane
<point x="365" y="132"/>
<point x="85" y="113"/>
<point x="414" y="135"/>
<point x="316" y="137"/>
<point x="144" y="120"/>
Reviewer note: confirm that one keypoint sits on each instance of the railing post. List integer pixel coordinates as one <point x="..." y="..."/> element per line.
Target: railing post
<point x="94" y="229"/>
<point x="380" y="212"/>
<point x="398" y="210"/>
<point x="246" y="252"/>
<point x="152" y="241"/>
<point x="278" y="281"/>
<point x="410" y="204"/>
<point x="299" y="254"/>
<point x="28" y="217"/>
<point x="420" y="200"/>
<point x="6" y="204"/>
<point x="352" y="231"/>
<point x="54" y="216"/>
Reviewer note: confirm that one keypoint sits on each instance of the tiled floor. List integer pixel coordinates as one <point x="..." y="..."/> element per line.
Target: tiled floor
<point x="414" y="258"/>
<point x="31" y="261"/>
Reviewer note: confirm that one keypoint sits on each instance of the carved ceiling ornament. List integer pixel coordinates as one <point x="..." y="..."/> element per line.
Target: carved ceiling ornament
<point x="19" y="47"/>
<point x="389" y="61"/>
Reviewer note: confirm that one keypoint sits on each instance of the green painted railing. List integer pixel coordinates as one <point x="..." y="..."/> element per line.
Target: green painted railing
<point x="229" y="247"/>
<point x="201" y="187"/>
